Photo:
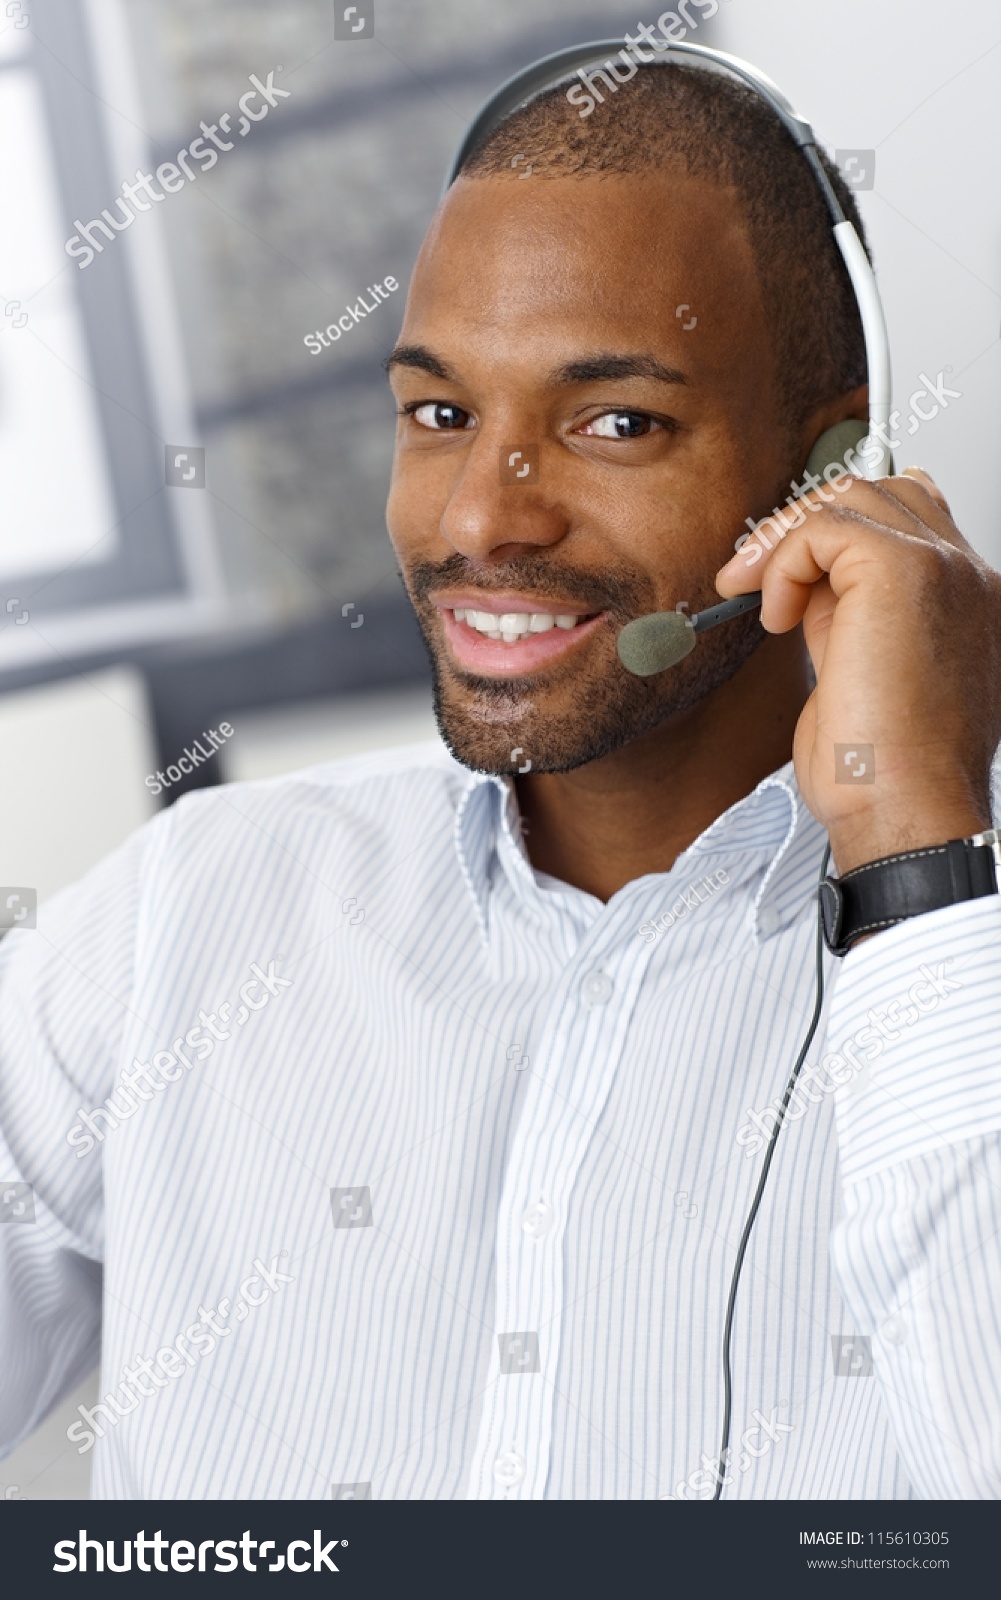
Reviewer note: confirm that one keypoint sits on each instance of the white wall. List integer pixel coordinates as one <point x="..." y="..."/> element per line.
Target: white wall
<point x="920" y="83"/>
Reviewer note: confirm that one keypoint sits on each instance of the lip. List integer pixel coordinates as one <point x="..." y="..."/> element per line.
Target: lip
<point x="500" y="600"/>
<point x="476" y="653"/>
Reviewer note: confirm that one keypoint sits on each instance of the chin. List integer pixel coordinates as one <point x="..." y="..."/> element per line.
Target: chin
<point x="490" y="726"/>
<point x="482" y="721"/>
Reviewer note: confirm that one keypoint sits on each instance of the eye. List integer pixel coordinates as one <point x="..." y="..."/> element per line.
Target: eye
<point x="621" y="425"/>
<point x="437" y="415"/>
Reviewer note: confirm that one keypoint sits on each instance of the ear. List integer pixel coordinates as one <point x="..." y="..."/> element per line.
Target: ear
<point x="835" y="443"/>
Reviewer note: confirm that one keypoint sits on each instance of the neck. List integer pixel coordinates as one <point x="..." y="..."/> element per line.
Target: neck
<point x="634" y="811"/>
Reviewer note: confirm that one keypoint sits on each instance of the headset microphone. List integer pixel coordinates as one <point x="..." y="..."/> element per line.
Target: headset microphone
<point x="662" y="638"/>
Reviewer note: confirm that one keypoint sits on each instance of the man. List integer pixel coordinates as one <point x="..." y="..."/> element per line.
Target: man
<point x="442" y="1198"/>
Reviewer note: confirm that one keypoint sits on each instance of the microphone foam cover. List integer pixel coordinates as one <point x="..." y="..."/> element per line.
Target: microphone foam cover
<point x="655" y="642"/>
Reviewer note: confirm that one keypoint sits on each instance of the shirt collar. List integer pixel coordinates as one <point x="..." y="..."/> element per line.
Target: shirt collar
<point x="773" y="817"/>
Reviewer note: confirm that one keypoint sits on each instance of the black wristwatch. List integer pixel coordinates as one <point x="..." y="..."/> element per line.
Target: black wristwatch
<point x="884" y="892"/>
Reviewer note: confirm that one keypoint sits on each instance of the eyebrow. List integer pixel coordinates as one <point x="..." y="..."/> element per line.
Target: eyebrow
<point x="597" y="368"/>
<point x="607" y="365"/>
<point x="421" y="358"/>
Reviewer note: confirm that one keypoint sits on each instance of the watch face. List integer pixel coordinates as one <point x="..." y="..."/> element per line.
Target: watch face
<point x="830" y="914"/>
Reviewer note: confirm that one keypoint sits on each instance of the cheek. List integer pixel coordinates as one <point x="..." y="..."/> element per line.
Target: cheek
<point x="412" y="502"/>
<point x="395" y="505"/>
<point x="421" y="487"/>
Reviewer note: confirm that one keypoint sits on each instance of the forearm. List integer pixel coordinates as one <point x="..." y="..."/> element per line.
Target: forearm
<point x="917" y="1251"/>
<point x="917" y="1255"/>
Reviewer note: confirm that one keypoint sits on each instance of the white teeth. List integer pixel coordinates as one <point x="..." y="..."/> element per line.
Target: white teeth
<point x="512" y="625"/>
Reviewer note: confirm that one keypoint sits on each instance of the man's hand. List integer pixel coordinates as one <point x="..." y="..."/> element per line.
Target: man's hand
<point x="902" y="620"/>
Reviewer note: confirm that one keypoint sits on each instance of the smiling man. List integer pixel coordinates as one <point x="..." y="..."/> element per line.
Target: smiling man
<point x="649" y="440"/>
<point x="503" y="1143"/>
<point x="649" y="445"/>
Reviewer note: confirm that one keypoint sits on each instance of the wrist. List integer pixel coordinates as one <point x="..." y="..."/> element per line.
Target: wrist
<point x="891" y="888"/>
<point x="855" y="844"/>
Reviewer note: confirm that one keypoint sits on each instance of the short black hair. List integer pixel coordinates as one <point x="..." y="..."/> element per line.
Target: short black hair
<point x="708" y="125"/>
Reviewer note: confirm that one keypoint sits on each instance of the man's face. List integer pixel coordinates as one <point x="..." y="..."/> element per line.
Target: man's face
<point x="586" y="389"/>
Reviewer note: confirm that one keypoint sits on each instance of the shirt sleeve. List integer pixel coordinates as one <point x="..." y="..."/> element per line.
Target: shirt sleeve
<point x="65" y="991"/>
<point x="915" y="1045"/>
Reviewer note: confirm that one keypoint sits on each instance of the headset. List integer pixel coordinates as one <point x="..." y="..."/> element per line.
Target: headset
<point x="652" y="643"/>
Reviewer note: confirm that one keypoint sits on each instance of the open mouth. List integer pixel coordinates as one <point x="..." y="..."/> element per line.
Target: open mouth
<point x="502" y="643"/>
<point x="510" y="626"/>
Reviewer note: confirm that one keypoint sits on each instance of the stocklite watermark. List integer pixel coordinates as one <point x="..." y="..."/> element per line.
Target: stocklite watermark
<point x="194" y="755"/>
<point x="351" y="315"/>
<point x="689" y="900"/>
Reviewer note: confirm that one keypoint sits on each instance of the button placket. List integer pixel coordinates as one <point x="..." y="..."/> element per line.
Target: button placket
<point x="537" y="1219"/>
<point x="597" y="988"/>
<point x="510" y="1468"/>
<point x="574" y="1066"/>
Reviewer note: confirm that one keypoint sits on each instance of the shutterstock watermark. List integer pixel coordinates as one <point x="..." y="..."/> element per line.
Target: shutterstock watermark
<point x="841" y="1066"/>
<point x="171" y="1361"/>
<point x="673" y="26"/>
<point x="172" y="175"/>
<point x="180" y="1555"/>
<point x="840" y="475"/>
<point x="689" y="900"/>
<point x="351" y="315"/>
<point x="754" y="1443"/>
<point x="171" y="1064"/>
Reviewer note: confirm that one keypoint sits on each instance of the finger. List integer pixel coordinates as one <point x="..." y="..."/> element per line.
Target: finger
<point x="907" y="507"/>
<point x="854" y="499"/>
<point x="897" y="494"/>
<point x="930" y="510"/>
<point x="928" y="483"/>
<point x="852" y="551"/>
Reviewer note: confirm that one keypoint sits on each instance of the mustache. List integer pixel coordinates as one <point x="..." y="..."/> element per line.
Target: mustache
<point x="615" y="589"/>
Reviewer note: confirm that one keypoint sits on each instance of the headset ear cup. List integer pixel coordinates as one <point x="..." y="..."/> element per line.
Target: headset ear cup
<point x="835" y="443"/>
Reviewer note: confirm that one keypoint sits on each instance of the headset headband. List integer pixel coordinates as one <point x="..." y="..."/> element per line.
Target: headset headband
<point x="550" y="70"/>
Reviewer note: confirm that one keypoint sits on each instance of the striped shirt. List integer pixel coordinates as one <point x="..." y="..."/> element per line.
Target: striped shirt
<point x="343" y="1002"/>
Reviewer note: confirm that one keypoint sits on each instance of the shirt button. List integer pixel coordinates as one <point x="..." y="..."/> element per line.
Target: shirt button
<point x="893" y="1330"/>
<point x="538" y="1219"/>
<point x="768" y="922"/>
<point x="597" y="988"/>
<point x="509" y="1469"/>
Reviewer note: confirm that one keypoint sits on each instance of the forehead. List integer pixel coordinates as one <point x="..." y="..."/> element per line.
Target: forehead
<point x="604" y="255"/>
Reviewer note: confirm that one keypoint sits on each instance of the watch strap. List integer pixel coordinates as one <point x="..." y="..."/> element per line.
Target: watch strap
<point x="881" y="893"/>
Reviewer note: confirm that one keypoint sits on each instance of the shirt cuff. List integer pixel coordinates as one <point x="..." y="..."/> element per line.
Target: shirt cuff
<point x="914" y="1037"/>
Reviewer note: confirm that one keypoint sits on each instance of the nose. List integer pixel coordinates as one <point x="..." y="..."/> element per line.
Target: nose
<point x="501" y="503"/>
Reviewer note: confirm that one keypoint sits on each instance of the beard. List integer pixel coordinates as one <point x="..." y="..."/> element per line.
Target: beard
<point x="566" y="717"/>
